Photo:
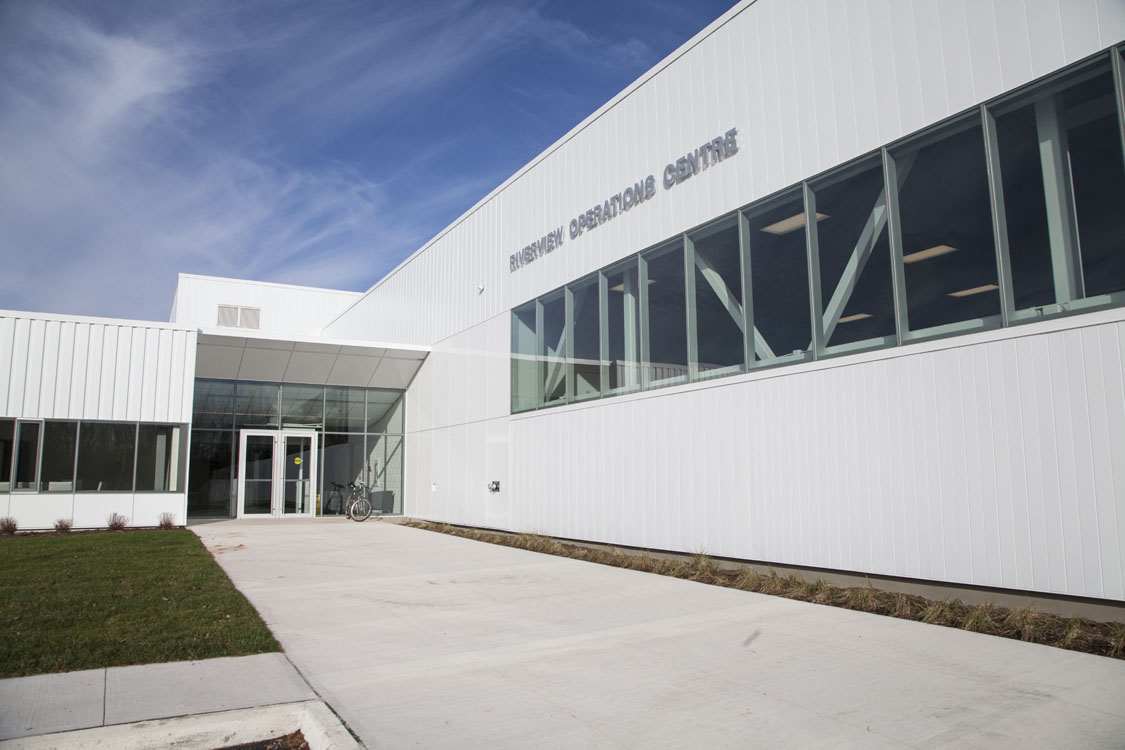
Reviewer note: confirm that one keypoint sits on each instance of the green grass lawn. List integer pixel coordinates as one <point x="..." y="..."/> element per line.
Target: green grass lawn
<point x="85" y="601"/>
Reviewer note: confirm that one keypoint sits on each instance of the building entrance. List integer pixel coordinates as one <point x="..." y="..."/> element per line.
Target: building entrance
<point x="278" y="473"/>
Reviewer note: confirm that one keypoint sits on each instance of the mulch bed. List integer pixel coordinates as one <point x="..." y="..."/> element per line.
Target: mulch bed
<point x="294" y="741"/>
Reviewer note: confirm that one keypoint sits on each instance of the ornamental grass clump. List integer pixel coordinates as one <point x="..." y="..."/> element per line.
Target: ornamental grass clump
<point x="167" y="521"/>
<point x="8" y="526"/>
<point x="63" y="525"/>
<point x="116" y="522"/>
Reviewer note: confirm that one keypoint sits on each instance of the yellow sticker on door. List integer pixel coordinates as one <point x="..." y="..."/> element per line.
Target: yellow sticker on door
<point x="297" y="460"/>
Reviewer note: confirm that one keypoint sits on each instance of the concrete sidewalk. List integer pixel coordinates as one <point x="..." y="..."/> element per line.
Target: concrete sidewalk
<point x="423" y="640"/>
<point x="49" y="703"/>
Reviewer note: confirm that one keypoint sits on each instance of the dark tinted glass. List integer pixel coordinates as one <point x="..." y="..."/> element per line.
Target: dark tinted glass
<point x="105" y="457"/>
<point x="59" y="442"/>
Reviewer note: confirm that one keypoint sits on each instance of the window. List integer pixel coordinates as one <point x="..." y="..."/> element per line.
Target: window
<point x="552" y="348"/>
<point x="256" y="405"/>
<point x="233" y="316"/>
<point x="60" y="439"/>
<point x="624" y="326"/>
<point x="106" y="452"/>
<point x="948" y="252"/>
<point x="211" y="481"/>
<point x="213" y="406"/>
<point x="26" y="474"/>
<point x="7" y="449"/>
<point x="779" y="270"/>
<point x="1003" y="214"/>
<point x="585" y="357"/>
<point x="342" y="462"/>
<point x="662" y="281"/>
<point x="719" y="318"/>
<point x="523" y="358"/>
<point x="159" y="458"/>
<point x="853" y="249"/>
<point x="344" y="409"/>
<point x="384" y="411"/>
<point x="302" y="407"/>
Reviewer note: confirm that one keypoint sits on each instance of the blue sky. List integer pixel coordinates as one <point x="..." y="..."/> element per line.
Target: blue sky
<point x="314" y="143"/>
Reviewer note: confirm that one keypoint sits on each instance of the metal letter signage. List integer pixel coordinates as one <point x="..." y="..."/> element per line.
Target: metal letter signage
<point x="709" y="154"/>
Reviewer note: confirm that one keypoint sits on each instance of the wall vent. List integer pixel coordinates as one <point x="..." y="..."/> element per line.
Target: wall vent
<point x="233" y="316"/>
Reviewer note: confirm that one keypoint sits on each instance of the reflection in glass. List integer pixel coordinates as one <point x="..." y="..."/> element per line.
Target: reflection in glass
<point x="302" y="406"/>
<point x="586" y="365"/>
<point x="26" y="475"/>
<point x="344" y="409"/>
<point x="384" y="411"/>
<point x="384" y="467"/>
<point x="624" y="327"/>
<point x="256" y="405"/>
<point x="780" y="282"/>
<point x="59" y="442"/>
<point x="211" y="475"/>
<point x="7" y="449"/>
<point x="105" y="457"/>
<point x="718" y="298"/>
<point x="158" y="458"/>
<point x="523" y="358"/>
<point x="258" y="482"/>
<point x="342" y="462"/>
<point x="297" y="474"/>
<point x="1098" y="172"/>
<point x="1029" y="246"/>
<point x="855" y="259"/>
<point x="552" y="353"/>
<point x="213" y="404"/>
<point x="667" y="316"/>
<point x="947" y="243"/>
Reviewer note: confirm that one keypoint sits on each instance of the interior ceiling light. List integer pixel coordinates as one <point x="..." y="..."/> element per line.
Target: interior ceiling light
<point x="785" y="226"/>
<point x="930" y="252"/>
<point x="974" y="290"/>
<point x="851" y="318"/>
<point x="621" y="287"/>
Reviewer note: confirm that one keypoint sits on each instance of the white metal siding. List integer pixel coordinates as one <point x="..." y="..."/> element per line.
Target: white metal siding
<point x="993" y="460"/>
<point x="85" y="368"/>
<point x="809" y="84"/>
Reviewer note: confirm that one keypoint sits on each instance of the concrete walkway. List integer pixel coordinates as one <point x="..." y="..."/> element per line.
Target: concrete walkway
<point x="122" y="695"/>
<point x="423" y="640"/>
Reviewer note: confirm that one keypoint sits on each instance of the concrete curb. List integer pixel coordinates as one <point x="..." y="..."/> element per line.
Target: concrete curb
<point x="321" y="728"/>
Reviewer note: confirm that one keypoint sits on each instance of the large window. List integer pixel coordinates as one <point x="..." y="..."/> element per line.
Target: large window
<point x="995" y="217"/>
<point x="947" y="244"/>
<point x="524" y="391"/>
<point x="60" y="441"/>
<point x="779" y="269"/>
<point x="7" y="452"/>
<point x="106" y="451"/>
<point x="857" y="300"/>
<point x="585" y="356"/>
<point x="665" y="328"/>
<point x="159" y="458"/>
<point x="719" y="321"/>
<point x="26" y="474"/>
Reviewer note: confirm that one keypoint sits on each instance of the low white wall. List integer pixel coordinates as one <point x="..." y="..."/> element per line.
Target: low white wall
<point x="91" y="510"/>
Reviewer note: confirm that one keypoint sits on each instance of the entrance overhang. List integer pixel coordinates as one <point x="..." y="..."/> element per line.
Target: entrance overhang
<point x="264" y="357"/>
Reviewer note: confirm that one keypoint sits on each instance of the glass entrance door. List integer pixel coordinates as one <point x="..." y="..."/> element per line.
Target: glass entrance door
<point x="277" y="471"/>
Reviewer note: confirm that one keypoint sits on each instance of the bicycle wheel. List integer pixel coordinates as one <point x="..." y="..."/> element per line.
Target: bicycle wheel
<point x="360" y="509"/>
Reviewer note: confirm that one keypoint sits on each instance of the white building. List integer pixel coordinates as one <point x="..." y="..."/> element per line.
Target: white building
<point x="644" y="341"/>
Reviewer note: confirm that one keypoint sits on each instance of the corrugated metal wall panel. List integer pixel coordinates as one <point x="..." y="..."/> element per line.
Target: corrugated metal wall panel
<point x="996" y="462"/>
<point x="63" y="368"/>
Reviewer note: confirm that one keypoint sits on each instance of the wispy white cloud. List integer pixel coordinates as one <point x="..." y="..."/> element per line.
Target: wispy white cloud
<point x="258" y="140"/>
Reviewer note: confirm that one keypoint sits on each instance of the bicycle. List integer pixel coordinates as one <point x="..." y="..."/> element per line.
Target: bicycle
<point x="357" y="507"/>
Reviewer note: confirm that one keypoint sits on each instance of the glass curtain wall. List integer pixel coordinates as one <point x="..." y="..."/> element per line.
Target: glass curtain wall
<point x="359" y="438"/>
<point x="1007" y="214"/>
